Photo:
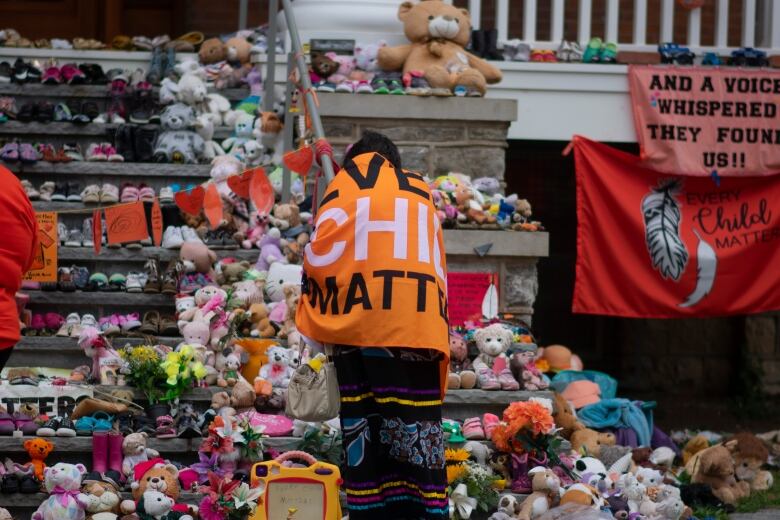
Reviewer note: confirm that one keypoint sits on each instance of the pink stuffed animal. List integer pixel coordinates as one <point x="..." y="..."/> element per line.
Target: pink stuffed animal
<point x="258" y="225"/>
<point x="105" y="360"/>
<point x="346" y="66"/>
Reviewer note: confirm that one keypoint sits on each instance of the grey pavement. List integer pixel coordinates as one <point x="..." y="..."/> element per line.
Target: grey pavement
<point x="767" y="514"/>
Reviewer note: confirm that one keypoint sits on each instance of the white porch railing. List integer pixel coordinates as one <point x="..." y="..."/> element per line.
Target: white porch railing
<point x="760" y="25"/>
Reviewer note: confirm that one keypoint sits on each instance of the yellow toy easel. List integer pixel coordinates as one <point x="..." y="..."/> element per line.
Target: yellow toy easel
<point x="310" y="493"/>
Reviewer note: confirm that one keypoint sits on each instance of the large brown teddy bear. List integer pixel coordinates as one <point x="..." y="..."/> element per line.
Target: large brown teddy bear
<point x="438" y="33"/>
<point x="714" y="466"/>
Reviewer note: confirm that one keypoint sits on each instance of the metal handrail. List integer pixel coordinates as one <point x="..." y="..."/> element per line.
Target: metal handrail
<point x="303" y="70"/>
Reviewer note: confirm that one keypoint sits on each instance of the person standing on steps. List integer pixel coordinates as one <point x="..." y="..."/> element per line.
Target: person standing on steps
<point x="17" y="251"/>
<point x="374" y="290"/>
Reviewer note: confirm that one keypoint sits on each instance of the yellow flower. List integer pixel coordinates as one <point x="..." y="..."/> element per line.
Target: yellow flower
<point x="459" y="455"/>
<point x="455" y="472"/>
<point x="186" y="351"/>
<point x="198" y="370"/>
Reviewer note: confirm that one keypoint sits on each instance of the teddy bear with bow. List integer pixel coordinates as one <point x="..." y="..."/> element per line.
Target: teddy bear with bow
<point x="491" y="365"/>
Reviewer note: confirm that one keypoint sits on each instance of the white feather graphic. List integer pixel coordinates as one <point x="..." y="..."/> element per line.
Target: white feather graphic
<point x="661" y="212"/>
<point x="490" y="302"/>
<point x="705" y="275"/>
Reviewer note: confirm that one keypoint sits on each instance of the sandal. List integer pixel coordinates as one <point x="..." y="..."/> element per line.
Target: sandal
<point x="165" y="427"/>
<point x="27" y="154"/>
<point x="472" y="429"/>
<point x="84" y="426"/>
<point x="168" y="326"/>
<point x="151" y="324"/>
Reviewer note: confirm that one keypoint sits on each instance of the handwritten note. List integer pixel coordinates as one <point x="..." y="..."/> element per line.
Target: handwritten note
<point x="307" y="499"/>
<point x="465" y="292"/>
<point x="44" y="267"/>
<point x="126" y="223"/>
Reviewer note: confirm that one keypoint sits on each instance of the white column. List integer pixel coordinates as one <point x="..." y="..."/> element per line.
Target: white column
<point x="556" y="20"/>
<point x="748" y="23"/>
<point x="611" y="22"/>
<point x="694" y="27"/>
<point x="475" y="9"/>
<point x="774" y="28"/>
<point x="502" y="19"/>
<point x="529" y="21"/>
<point x="583" y="22"/>
<point x="722" y="23"/>
<point x="667" y="21"/>
<point x="640" y="22"/>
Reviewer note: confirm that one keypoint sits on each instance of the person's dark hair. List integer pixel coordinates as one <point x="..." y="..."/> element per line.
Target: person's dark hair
<point x="378" y="143"/>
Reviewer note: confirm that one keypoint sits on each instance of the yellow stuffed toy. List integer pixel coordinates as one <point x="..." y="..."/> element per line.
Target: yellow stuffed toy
<point x="438" y="33"/>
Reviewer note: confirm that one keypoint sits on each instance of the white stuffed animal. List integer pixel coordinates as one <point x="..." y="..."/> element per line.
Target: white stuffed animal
<point x="156" y="505"/>
<point x="242" y="132"/>
<point x="491" y="364"/>
<point x="222" y="167"/>
<point x="204" y="127"/>
<point x="277" y="371"/>
<point x="65" y="502"/>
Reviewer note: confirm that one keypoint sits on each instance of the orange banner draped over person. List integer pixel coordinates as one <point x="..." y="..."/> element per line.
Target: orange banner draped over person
<point x="375" y="270"/>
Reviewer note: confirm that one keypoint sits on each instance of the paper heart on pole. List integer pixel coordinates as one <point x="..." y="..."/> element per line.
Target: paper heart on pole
<point x="261" y="191"/>
<point x="299" y="160"/>
<point x="239" y="184"/>
<point x="190" y="201"/>
<point x="157" y="222"/>
<point x="461" y="503"/>
<point x="212" y="205"/>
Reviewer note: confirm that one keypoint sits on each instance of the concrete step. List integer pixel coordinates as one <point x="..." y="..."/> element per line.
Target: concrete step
<point x="80" y="299"/>
<point x="109" y="255"/>
<point x="105" y="169"/>
<point x="62" y="92"/>
<point x="66" y="129"/>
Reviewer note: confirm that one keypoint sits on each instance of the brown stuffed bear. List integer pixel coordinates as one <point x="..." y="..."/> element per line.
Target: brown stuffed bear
<point x="438" y="33"/>
<point x="714" y="466"/>
<point x="749" y="455"/>
<point x="322" y="66"/>
<point x="292" y="293"/>
<point x="591" y="441"/>
<point x="261" y="324"/>
<point x="242" y="397"/>
<point x="565" y="418"/>
<point x="232" y="273"/>
<point x="197" y="257"/>
<point x="211" y="51"/>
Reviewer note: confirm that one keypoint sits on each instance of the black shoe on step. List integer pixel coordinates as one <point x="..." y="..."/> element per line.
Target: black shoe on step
<point x="28" y="485"/>
<point x="144" y="140"/>
<point x="124" y="142"/>
<point x="490" y="51"/>
<point x="10" y="484"/>
<point x="477" y="42"/>
<point x="6" y="72"/>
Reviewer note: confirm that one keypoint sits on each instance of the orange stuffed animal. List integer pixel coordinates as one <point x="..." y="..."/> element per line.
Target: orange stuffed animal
<point x="38" y="449"/>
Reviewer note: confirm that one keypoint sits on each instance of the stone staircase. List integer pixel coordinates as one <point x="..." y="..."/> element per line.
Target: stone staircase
<point x="434" y="135"/>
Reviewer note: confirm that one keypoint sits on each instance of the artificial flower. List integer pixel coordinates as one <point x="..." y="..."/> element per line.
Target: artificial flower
<point x="198" y="370"/>
<point x="208" y="463"/>
<point x="220" y="485"/>
<point x="210" y="509"/>
<point x="455" y="472"/>
<point x="245" y="495"/>
<point x="459" y="455"/>
<point x="542" y="365"/>
<point x="230" y="431"/>
<point x="216" y="444"/>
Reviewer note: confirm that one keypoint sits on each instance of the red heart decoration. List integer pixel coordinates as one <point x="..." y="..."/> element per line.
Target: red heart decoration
<point x="300" y="160"/>
<point x="97" y="231"/>
<point x="261" y="192"/>
<point x="212" y="206"/>
<point x="239" y="184"/>
<point x="190" y="202"/>
<point x="157" y="222"/>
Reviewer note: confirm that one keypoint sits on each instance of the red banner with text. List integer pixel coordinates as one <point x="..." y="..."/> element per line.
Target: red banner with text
<point x="700" y="120"/>
<point x="654" y="245"/>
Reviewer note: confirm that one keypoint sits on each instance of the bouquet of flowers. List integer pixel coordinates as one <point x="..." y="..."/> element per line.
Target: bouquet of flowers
<point x="470" y="486"/>
<point x="162" y="376"/>
<point x="228" y="499"/>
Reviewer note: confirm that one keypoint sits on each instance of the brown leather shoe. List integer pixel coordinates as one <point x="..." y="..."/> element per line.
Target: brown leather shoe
<point x="153" y="281"/>
<point x="170" y="281"/>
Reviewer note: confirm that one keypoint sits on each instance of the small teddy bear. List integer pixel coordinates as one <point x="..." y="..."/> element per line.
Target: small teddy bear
<point x="277" y="371"/>
<point x="491" y="364"/>
<point x="38" y="449"/>
<point x="461" y="375"/>
<point x="230" y="374"/>
<point x="177" y="143"/>
<point x="63" y="482"/>
<point x="135" y="451"/>
<point x="158" y="506"/>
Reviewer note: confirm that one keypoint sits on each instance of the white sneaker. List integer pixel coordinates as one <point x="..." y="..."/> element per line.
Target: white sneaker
<point x="73" y="321"/>
<point x="166" y="195"/>
<point x="62" y="233"/>
<point x="172" y="238"/>
<point x="75" y="238"/>
<point x="86" y="231"/>
<point x="190" y="235"/>
<point x="133" y="284"/>
<point x="88" y="320"/>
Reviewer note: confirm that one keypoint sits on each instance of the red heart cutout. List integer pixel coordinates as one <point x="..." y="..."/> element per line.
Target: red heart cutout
<point x="212" y="206"/>
<point x="262" y="193"/>
<point x="239" y="184"/>
<point x="190" y="202"/>
<point x="300" y="160"/>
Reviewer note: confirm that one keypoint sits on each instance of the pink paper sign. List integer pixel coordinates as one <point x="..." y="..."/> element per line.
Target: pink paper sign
<point x="465" y="293"/>
<point x="700" y="120"/>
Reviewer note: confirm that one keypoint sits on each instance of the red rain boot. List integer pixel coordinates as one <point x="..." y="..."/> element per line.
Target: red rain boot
<point x="115" y="455"/>
<point x="99" y="452"/>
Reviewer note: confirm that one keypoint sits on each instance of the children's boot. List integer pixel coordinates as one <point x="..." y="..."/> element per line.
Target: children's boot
<point x="99" y="452"/>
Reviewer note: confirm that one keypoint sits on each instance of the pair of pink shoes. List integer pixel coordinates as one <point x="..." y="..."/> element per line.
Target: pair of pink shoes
<point x="130" y="193"/>
<point x="68" y="73"/>
<point x="498" y="377"/>
<point x="103" y="152"/>
<point x="476" y="429"/>
<point x="46" y="323"/>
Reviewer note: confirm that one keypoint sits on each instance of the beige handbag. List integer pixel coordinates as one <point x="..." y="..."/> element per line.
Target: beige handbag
<point x="313" y="395"/>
